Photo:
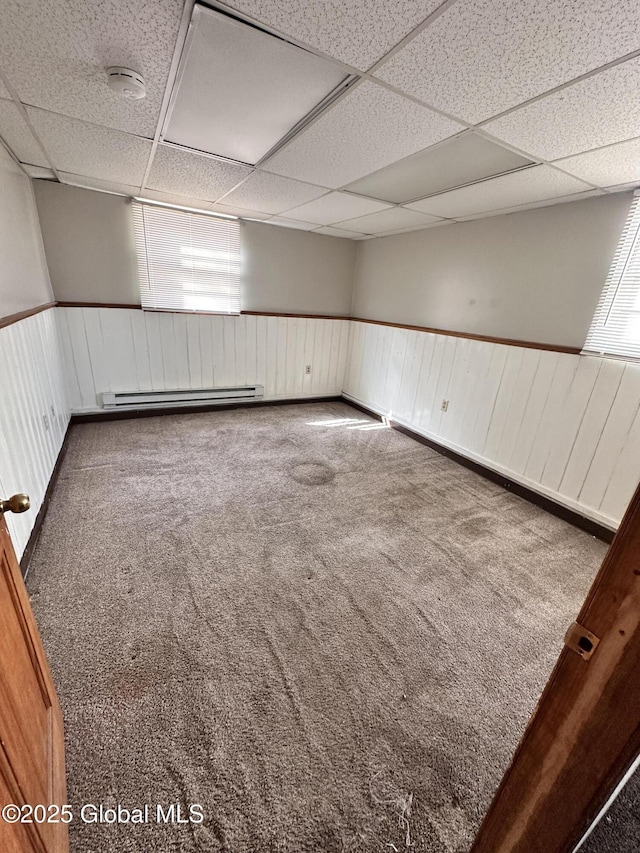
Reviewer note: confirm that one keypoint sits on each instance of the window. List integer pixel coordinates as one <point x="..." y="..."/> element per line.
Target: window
<point x="187" y="261"/>
<point x="615" y="329"/>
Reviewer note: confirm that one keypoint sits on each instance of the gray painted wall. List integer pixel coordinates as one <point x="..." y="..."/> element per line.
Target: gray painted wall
<point x="535" y="275"/>
<point x="88" y="238"/>
<point x="296" y="272"/>
<point x="24" y="279"/>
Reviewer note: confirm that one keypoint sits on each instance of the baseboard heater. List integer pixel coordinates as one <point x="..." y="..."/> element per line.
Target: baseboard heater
<point x="114" y="400"/>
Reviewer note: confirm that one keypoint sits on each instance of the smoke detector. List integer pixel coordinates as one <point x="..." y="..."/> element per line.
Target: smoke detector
<point x="127" y="83"/>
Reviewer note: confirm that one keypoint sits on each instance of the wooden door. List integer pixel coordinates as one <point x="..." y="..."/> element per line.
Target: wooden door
<point x="585" y="732"/>
<point x="31" y="737"/>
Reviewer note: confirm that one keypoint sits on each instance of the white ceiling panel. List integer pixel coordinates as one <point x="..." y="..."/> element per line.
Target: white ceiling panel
<point x="16" y="133"/>
<point x="518" y="208"/>
<point x="57" y="54"/>
<point x="334" y="207"/>
<point x="597" y="111"/>
<point x="177" y="198"/>
<point x="481" y="57"/>
<point x="388" y="220"/>
<point x="368" y="129"/>
<point x="238" y="211"/>
<point x="423" y="227"/>
<point x="86" y="149"/>
<point x="186" y="173"/>
<point x="460" y="160"/>
<point x="269" y="193"/>
<point x="330" y="231"/>
<point x="241" y="90"/>
<point x="357" y="32"/>
<point x="606" y="167"/>
<point x="530" y="185"/>
<point x="96" y="184"/>
<point x="291" y="223"/>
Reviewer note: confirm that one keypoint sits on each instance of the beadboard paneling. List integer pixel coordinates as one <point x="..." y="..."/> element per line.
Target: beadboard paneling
<point x="34" y="414"/>
<point x="565" y="425"/>
<point x="121" y="349"/>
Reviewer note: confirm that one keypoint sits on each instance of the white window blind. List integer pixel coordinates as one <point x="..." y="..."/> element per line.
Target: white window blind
<point x="187" y="261"/>
<point x="615" y="329"/>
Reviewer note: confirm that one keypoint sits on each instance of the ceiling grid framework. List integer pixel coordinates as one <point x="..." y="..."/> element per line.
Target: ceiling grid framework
<point x="551" y="85"/>
<point x="369" y="128"/>
<point x="480" y="58"/>
<point x="592" y="113"/>
<point x="87" y="149"/>
<point x="357" y="33"/>
<point x="268" y="193"/>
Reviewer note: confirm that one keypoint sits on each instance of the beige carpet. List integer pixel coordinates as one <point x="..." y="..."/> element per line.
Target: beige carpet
<point x="619" y="829"/>
<point x="326" y="634"/>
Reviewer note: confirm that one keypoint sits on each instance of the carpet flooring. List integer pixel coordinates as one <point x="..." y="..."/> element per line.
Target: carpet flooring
<point x="619" y="829"/>
<point x="324" y="633"/>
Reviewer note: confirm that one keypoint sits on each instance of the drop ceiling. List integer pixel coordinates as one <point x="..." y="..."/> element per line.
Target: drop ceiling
<point x="342" y="117"/>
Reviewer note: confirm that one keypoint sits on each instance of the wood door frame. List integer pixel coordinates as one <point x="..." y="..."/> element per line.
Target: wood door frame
<point x="585" y="731"/>
<point x="10" y="782"/>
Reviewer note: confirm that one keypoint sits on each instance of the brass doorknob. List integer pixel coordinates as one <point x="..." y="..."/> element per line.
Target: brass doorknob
<point x="16" y="503"/>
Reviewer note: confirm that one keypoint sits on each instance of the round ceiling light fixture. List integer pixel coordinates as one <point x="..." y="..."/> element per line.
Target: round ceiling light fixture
<point x="127" y="83"/>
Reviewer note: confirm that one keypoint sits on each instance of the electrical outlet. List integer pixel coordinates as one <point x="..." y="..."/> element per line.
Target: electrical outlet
<point x="45" y="421"/>
<point x="445" y="405"/>
<point x="307" y="369"/>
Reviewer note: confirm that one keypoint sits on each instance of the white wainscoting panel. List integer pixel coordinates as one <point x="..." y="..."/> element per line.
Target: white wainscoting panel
<point x="567" y="426"/>
<point x="122" y="349"/>
<point x="34" y="414"/>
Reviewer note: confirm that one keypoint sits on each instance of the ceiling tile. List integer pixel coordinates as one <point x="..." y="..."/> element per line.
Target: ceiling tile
<point x="269" y="193"/>
<point x="387" y="220"/>
<point x="357" y="32"/>
<point x="422" y="227"/>
<point x="16" y="133"/>
<point x="177" y="171"/>
<point x="480" y="57"/>
<point x="533" y="205"/>
<point x="462" y="159"/>
<point x="86" y="149"/>
<point x="58" y="53"/>
<point x="330" y="231"/>
<point x="334" y="207"/>
<point x="240" y="90"/>
<point x="606" y="167"/>
<point x="238" y="211"/>
<point x="96" y="184"/>
<point x="291" y="223"/>
<point x="366" y="130"/>
<point x="530" y="185"/>
<point x="597" y="111"/>
<point x="177" y="198"/>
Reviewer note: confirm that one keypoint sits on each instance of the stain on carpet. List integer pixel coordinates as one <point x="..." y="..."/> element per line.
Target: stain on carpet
<point x="312" y="473"/>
